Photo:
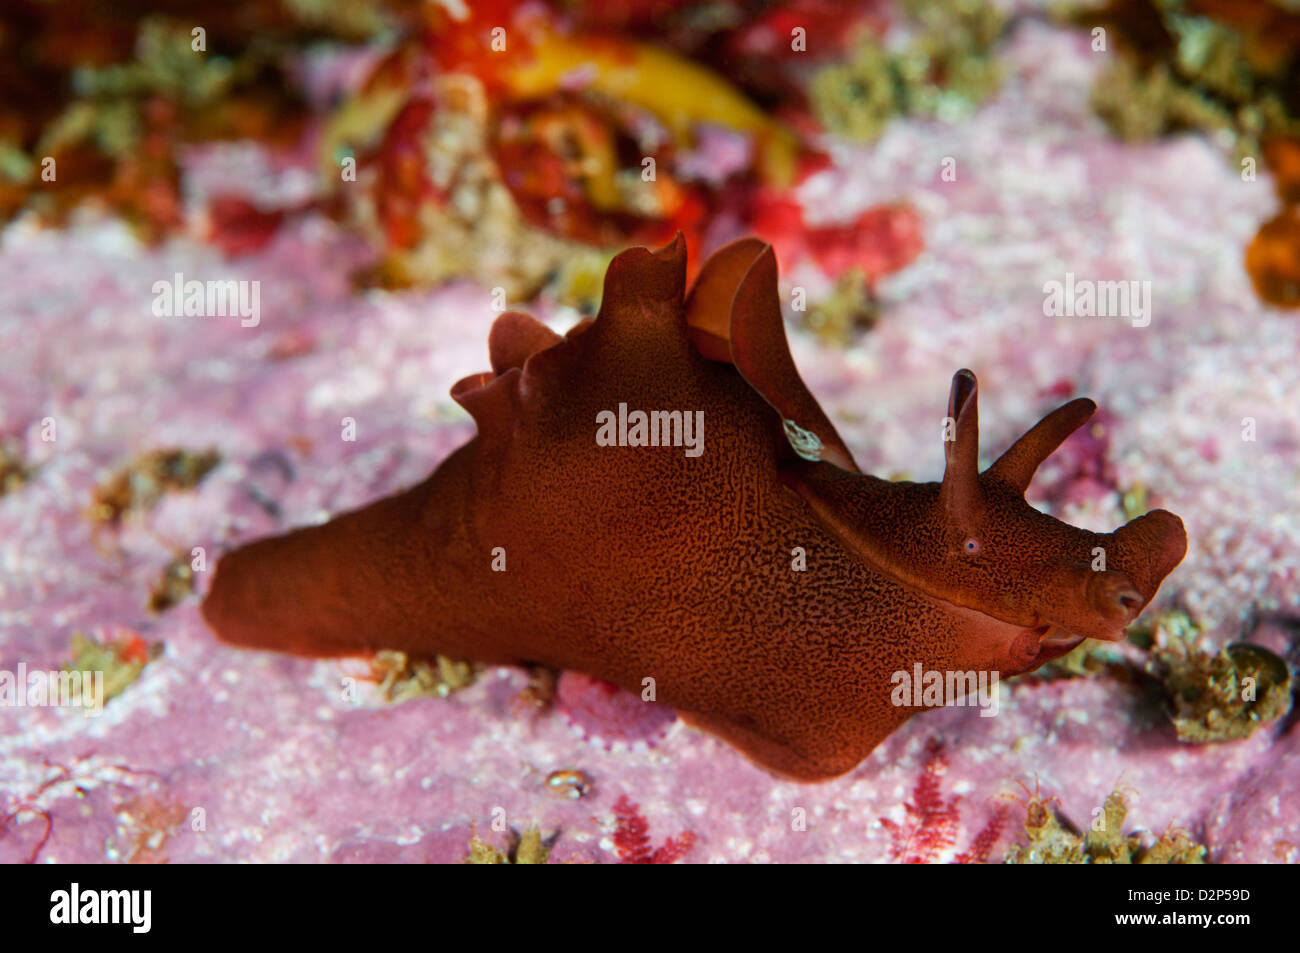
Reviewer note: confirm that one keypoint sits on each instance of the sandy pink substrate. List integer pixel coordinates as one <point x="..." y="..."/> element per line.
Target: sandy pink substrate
<point x="285" y="769"/>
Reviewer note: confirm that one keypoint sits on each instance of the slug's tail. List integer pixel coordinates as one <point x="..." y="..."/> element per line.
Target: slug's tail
<point x="347" y="587"/>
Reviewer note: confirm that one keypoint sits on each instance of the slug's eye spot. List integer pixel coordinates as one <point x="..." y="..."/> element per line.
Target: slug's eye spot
<point x="971" y="547"/>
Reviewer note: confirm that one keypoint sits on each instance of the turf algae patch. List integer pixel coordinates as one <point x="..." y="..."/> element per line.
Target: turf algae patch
<point x="1209" y="696"/>
<point x="175" y="584"/>
<point x="14" y="469"/>
<point x="402" y="678"/>
<point x="1091" y="659"/>
<point x="145" y="824"/>
<point x="1225" y="74"/>
<point x="944" y="72"/>
<point x="526" y="848"/>
<point x="1224" y="695"/>
<point x="140" y="484"/>
<point x="1213" y="696"/>
<point x="1226" y="70"/>
<point x="121" y="658"/>
<point x="850" y="308"/>
<point x="1053" y="840"/>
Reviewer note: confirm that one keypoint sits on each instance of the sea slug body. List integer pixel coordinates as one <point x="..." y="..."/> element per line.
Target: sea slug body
<point x="536" y="543"/>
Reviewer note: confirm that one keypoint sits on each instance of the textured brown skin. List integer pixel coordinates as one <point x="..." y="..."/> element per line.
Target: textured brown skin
<point x="629" y="563"/>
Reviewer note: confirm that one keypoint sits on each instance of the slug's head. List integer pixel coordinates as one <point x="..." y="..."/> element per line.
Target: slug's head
<point x="999" y="555"/>
<point x="975" y="542"/>
<point x="1036" y="586"/>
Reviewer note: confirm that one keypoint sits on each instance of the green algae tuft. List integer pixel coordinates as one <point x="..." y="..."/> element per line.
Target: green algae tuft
<point x="526" y="848"/>
<point x="402" y="678"/>
<point x="944" y="71"/>
<point x="1052" y="841"/>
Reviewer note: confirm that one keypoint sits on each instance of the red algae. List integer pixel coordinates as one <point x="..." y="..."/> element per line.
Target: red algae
<point x="632" y="838"/>
<point x="933" y="822"/>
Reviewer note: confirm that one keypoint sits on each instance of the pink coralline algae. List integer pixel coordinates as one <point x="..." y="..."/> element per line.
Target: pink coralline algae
<point x="605" y="714"/>
<point x="290" y="772"/>
<point x="1081" y="472"/>
<point x="34" y="809"/>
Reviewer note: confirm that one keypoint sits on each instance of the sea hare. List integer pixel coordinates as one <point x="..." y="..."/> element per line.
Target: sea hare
<point x="742" y="568"/>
